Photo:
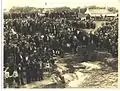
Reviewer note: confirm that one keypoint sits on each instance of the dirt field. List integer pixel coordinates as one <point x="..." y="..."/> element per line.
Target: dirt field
<point x="88" y="74"/>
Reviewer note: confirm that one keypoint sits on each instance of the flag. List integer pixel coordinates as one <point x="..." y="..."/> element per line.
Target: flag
<point x="45" y="3"/>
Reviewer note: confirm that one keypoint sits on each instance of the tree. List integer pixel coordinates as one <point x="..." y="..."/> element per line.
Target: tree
<point x="92" y="7"/>
<point x="22" y="9"/>
<point x="61" y="9"/>
<point x="95" y="7"/>
<point x="112" y="9"/>
<point x="82" y="10"/>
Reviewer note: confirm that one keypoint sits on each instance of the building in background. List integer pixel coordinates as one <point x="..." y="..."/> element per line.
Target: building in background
<point x="100" y="13"/>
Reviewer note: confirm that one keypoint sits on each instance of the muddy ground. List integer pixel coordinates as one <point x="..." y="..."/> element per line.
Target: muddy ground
<point x="87" y="74"/>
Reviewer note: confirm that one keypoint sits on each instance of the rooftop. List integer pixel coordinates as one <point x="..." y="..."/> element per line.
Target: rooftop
<point x="97" y="11"/>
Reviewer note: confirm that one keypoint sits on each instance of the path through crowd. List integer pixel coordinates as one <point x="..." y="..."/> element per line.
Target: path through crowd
<point x="98" y="24"/>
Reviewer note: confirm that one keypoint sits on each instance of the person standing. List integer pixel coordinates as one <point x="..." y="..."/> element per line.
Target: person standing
<point x="20" y="73"/>
<point x="15" y="77"/>
<point x="8" y="76"/>
<point x="28" y="70"/>
<point x="40" y="70"/>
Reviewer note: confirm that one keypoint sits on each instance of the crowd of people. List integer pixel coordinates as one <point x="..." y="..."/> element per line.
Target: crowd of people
<point x="31" y="42"/>
<point x="108" y="36"/>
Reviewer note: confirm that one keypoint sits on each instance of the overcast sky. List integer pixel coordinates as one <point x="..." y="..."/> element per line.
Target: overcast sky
<point x="7" y="4"/>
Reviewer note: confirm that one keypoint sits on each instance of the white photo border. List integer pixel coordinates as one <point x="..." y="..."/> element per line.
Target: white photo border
<point x="77" y="89"/>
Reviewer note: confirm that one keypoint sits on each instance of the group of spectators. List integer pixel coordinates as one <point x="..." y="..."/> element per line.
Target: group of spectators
<point x="108" y="36"/>
<point x="31" y="42"/>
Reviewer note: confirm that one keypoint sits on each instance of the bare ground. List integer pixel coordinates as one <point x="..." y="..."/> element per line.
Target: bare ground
<point x="86" y="75"/>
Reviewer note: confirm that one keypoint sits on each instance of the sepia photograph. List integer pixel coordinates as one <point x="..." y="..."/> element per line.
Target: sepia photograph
<point x="60" y="44"/>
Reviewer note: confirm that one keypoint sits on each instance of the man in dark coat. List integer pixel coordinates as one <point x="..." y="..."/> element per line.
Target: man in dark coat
<point x="28" y="72"/>
<point x="40" y="69"/>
